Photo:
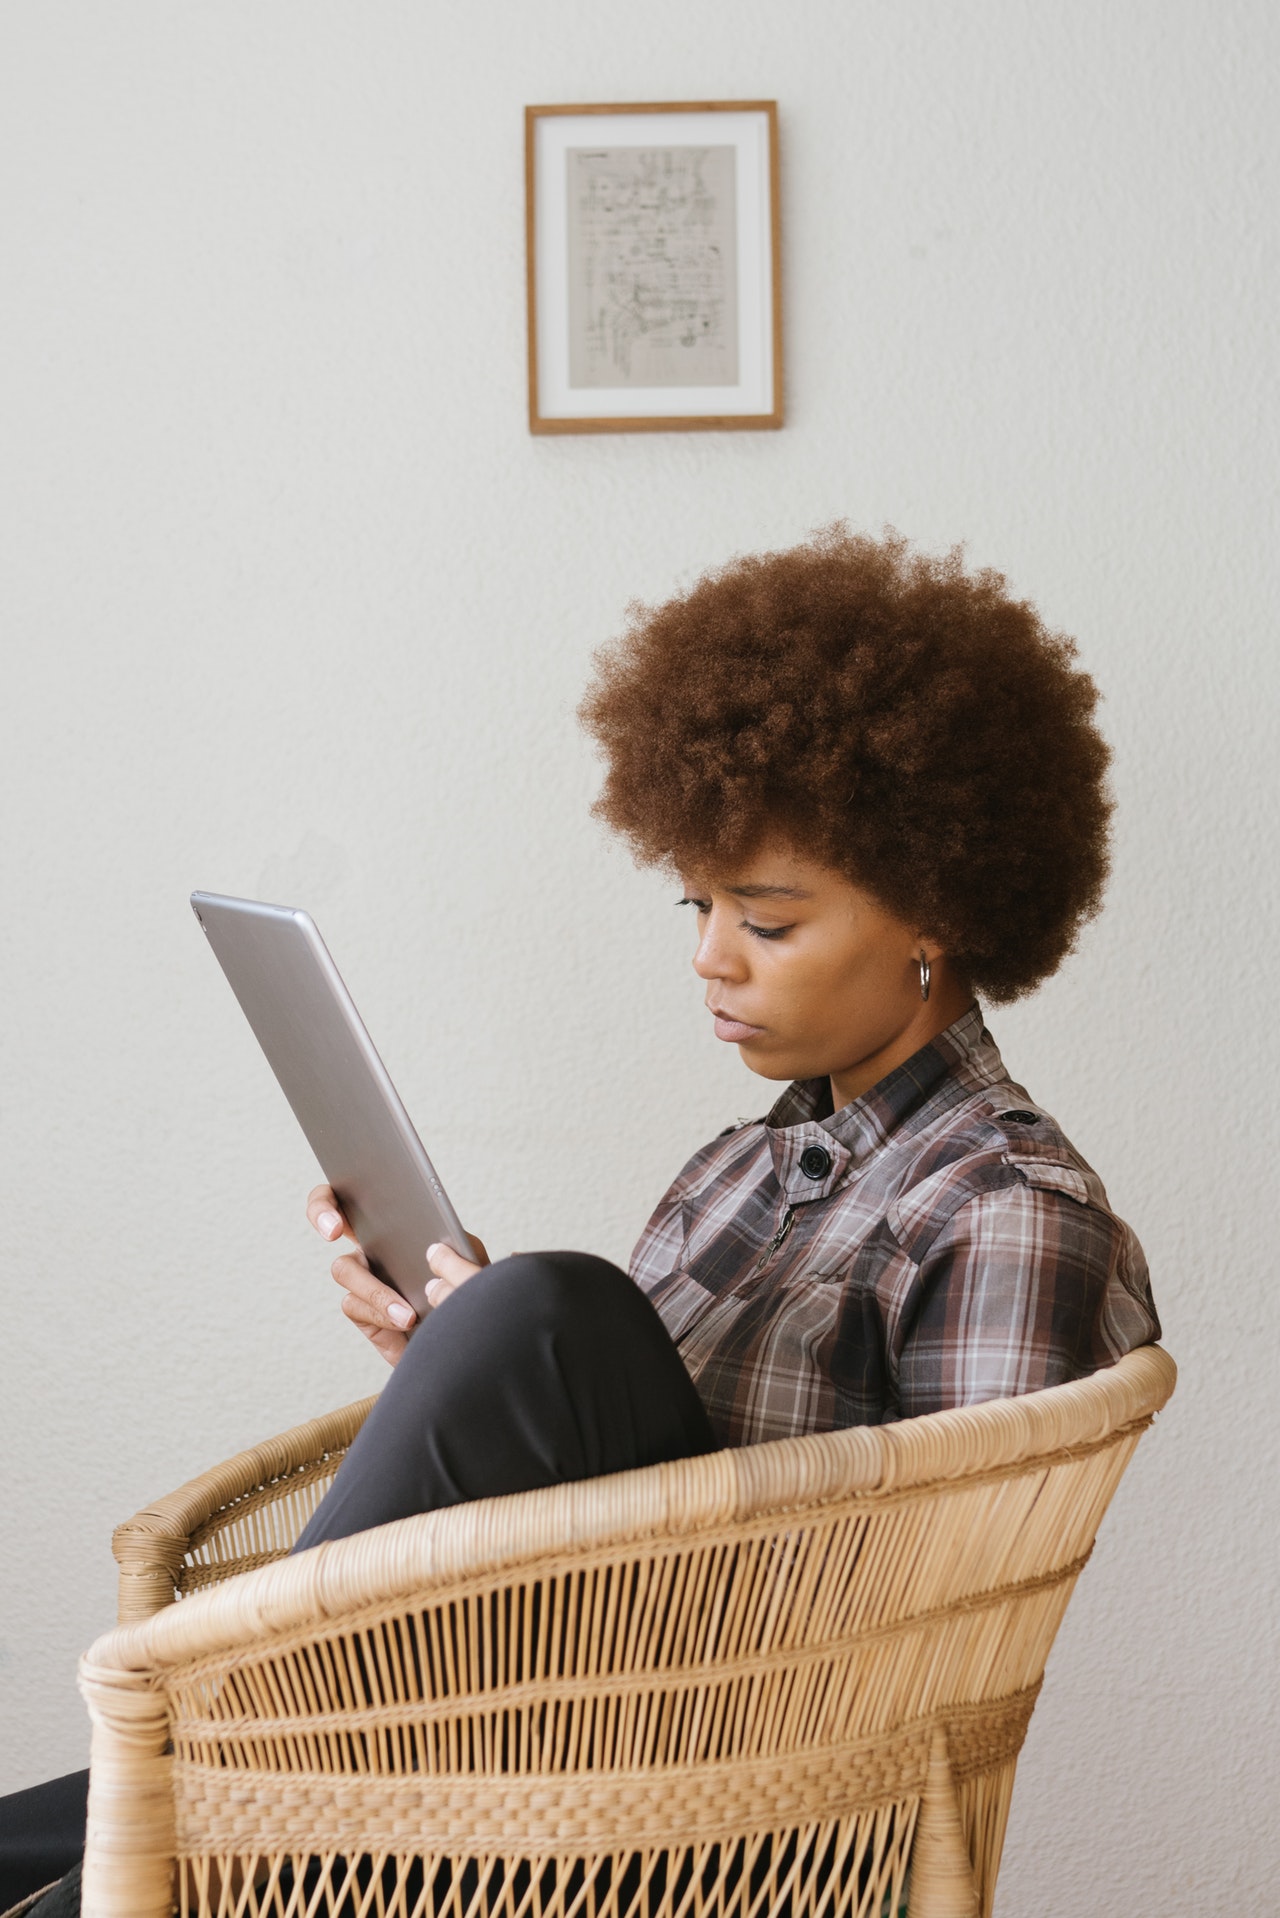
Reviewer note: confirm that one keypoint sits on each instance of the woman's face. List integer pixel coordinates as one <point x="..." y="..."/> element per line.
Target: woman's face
<point x="810" y="977"/>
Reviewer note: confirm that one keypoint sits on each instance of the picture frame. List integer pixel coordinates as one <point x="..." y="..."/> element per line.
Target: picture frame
<point x="654" y="291"/>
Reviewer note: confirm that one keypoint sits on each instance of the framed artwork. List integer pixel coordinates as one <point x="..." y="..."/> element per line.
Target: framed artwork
<point x="654" y="294"/>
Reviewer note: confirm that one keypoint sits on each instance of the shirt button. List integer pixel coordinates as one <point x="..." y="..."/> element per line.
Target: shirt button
<point x="1020" y="1118"/>
<point x="814" y="1162"/>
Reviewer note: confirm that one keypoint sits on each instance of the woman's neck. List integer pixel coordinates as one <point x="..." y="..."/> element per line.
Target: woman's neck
<point x="949" y="999"/>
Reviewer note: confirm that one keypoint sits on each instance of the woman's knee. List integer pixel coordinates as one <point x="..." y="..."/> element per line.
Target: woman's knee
<point x="545" y="1287"/>
<point x="571" y="1311"/>
<point x="543" y="1367"/>
<point x="509" y="1310"/>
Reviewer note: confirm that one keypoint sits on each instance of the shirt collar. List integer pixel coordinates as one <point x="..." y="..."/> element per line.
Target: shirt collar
<point x="957" y="1062"/>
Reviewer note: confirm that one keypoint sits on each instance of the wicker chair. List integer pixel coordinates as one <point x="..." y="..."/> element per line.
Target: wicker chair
<point x="789" y="1681"/>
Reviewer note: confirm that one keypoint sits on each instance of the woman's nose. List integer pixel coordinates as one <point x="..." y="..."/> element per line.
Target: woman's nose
<point x="715" y="957"/>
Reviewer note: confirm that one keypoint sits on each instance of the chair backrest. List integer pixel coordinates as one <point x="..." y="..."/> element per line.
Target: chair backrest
<point x="723" y="1688"/>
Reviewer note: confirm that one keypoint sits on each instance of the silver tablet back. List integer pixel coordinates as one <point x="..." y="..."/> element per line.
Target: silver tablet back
<point x="316" y="1044"/>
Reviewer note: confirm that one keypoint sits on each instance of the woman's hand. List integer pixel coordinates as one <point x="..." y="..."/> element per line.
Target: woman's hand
<point x="377" y="1309"/>
<point x="451" y="1269"/>
<point x="381" y="1314"/>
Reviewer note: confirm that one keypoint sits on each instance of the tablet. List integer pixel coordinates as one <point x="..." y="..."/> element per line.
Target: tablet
<point x="306" y="1022"/>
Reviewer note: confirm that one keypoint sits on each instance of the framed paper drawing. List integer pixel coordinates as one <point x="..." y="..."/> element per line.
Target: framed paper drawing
<point x="654" y="294"/>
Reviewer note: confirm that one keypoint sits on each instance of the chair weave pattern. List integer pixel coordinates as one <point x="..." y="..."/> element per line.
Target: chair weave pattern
<point x="759" y="1684"/>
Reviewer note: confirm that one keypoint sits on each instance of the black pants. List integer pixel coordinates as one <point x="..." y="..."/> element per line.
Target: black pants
<point x="546" y="1367"/>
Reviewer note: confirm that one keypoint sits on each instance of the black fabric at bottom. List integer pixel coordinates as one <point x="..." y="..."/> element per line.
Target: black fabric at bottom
<point x="41" y="1835"/>
<point x="60" y="1901"/>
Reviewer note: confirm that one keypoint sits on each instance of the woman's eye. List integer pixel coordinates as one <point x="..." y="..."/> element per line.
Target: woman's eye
<point x="703" y="906"/>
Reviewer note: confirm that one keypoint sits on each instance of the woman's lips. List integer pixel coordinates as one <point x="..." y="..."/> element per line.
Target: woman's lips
<point x="733" y="1031"/>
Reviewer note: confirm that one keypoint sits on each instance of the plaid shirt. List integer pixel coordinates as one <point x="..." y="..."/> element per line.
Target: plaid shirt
<point x="935" y="1243"/>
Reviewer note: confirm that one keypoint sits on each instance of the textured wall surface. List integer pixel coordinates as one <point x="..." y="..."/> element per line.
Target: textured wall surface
<point x="293" y="605"/>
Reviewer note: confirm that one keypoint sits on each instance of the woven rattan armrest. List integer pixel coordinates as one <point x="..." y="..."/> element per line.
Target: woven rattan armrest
<point x="242" y="1514"/>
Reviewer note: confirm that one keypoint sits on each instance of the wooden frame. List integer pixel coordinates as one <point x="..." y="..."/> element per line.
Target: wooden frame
<point x="727" y="296"/>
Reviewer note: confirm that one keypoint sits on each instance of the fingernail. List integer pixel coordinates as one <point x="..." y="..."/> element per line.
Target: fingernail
<point x="401" y="1315"/>
<point x="329" y="1222"/>
<point x="432" y="1250"/>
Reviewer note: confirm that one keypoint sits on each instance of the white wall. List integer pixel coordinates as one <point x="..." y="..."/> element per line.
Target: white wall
<point x="293" y="605"/>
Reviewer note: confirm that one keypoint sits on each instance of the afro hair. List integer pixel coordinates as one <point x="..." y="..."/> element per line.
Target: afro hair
<point x="906" y="722"/>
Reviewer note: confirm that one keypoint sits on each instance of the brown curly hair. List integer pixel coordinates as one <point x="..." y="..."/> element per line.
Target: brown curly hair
<point x="889" y="714"/>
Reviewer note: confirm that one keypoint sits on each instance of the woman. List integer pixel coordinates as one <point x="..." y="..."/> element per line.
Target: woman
<point x="880" y="782"/>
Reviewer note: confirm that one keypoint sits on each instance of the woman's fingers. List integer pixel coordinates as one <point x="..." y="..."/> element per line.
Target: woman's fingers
<point x="361" y="1312"/>
<point x="325" y="1213"/>
<point x="390" y="1344"/>
<point x="383" y="1306"/>
<point x="451" y="1270"/>
<point x="381" y="1314"/>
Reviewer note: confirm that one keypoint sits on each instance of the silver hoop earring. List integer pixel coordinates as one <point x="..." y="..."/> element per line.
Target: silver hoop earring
<point x="926" y="974"/>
